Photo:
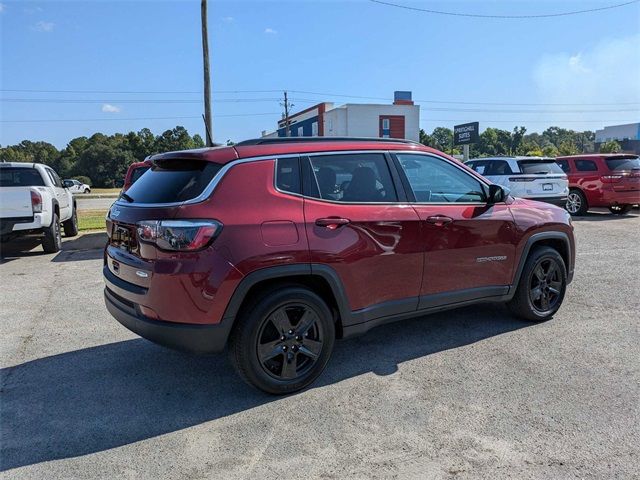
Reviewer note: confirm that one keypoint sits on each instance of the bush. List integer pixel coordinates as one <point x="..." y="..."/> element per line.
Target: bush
<point x="83" y="179"/>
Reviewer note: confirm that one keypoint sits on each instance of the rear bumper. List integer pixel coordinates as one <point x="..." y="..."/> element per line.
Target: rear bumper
<point x="612" y="197"/>
<point x="557" y="201"/>
<point x="200" y="339"/>
<point x="9" y="225"/>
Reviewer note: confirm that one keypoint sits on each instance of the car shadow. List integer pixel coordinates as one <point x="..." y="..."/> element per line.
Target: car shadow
<point x="98" y="398"/>
<point x="603" y="216"/>
<point x="89" y="246"/>
<point x="20" y="247"/>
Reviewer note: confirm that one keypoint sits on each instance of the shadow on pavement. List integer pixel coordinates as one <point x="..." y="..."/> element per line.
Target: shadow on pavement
<point x="89" y="246"/>
<point x="103" y="397"/>
<point x="603" y="216"/>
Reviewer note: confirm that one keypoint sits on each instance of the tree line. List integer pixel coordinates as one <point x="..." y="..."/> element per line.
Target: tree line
<point x="553" y="142"/>
<point x="102" y="160"/>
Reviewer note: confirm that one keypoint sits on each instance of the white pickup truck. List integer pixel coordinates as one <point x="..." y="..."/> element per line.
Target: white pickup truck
<point x="33" y="200"/>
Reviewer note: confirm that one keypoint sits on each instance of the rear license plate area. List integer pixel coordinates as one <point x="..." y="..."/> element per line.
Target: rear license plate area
<point x="547" y="187"/>
<point x="122" y="237"/>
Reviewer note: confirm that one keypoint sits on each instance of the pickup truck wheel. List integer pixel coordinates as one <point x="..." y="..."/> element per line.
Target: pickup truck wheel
<point x="71" y="225"/>
<point x="541" y="287"/>
<point x="87" y="190"/>
<point x="283" y="341"/>
<point x="52" y="241"/>
<point x="620" y="209"/>
<point x="577" y="203"/>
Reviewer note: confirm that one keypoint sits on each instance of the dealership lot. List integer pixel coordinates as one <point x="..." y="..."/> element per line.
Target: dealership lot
<point x="467" y="393"/>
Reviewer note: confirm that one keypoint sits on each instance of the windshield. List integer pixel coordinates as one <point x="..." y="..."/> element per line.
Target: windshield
<point x="170" y="181"/>
<point x="20" y="177"/>
<point x="623" y="163"/>
<point x="539" y="167"/>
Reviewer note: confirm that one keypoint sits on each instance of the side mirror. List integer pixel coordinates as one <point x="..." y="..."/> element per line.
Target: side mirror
<point x="497" y="194"/>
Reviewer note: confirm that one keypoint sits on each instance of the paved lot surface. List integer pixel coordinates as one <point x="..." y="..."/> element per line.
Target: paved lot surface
<point x="94" y="203"/>
<point x="470" y="393"/>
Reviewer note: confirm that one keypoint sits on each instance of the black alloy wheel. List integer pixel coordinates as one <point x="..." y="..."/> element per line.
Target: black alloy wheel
<point x="546" y="285"/>
<point x="290" y="341"/>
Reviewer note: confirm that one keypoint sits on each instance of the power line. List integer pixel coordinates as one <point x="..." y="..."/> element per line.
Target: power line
<point x="129" y="100"/>
<point x="477" y="15"/>
<point x="199" y="92"/>
<point x="56" y="120"/>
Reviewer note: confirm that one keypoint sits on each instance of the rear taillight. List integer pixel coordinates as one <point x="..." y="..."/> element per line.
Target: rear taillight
<point x="611" y="178"/>
<point x="180" y="235"/>
<point x="36" y="202"/>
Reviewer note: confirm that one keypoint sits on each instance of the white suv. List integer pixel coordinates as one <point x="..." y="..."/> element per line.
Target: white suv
<point x="75" y="186"/>
<point x="536" y="178"/>
<point x="33" y="200"/>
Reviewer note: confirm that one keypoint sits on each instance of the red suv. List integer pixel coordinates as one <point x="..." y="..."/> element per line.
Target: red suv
<point x="602" y="180"/>
<point x="276" y="247"/>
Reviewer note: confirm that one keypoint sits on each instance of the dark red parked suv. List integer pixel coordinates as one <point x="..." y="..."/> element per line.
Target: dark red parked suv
<point x="610" y="180"/>
<point x="275" y="247"/>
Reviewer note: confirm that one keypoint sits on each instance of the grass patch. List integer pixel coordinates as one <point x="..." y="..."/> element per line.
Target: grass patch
<point x="114" y="191"/>
<point x="91" y="219"/>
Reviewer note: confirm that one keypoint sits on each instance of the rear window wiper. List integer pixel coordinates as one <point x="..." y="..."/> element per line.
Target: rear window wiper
<point x="126" y="197"/>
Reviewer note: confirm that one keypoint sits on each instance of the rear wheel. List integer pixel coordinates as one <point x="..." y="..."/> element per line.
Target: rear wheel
<point x="52" y="241"/>
<point x="541" y="287"/>
<point x="577" y="203"/>
<point x="620" y="209"/>
<point x="87" y="190"/>
<point x="283" y="341"/>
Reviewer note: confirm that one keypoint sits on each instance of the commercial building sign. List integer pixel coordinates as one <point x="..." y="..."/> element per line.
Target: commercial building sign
<point x="466" y="133"/>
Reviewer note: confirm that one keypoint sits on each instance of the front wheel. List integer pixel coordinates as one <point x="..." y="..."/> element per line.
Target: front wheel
<point x="71" y="225"/>
<point x="577" y="203"/>
<point x="541" y="287"/>
<point x="52" y="241"/>
<point x="87" y="190"/>
<point x="283" y="341"/>
<point x="620" y="209"/>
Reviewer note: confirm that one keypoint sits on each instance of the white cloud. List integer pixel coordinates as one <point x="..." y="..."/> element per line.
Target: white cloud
<point x="607" y="73"/>
<point x="228" y="19"/>
<point x="2" y="7"/>
<point x="270" y="31"/>
<point x="108" y="108"/>
<point x="42" y="26"/>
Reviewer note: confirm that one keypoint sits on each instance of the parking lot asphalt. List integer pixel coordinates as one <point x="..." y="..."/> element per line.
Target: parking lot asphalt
<point x="469" y="393"/>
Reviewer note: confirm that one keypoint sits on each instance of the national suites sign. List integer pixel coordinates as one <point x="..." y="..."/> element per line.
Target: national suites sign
<point x="466" y="133"/>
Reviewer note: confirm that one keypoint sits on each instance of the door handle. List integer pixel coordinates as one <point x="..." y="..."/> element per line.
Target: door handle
<point x="439" y="220"/>
<point x="332" y="222"/>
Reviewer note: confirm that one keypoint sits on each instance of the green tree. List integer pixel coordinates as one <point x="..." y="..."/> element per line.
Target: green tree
<point x="442" y="138"/>
<point x="567" y="147"/>
<point x="610" y="147"/>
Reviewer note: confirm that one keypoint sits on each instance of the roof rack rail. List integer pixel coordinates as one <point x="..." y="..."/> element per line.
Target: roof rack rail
<point x="276" y="140"/>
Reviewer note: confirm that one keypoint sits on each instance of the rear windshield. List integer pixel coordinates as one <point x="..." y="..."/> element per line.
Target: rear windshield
<point x="539" y="167"/>
<point x="137" y="173"/>
<point x="20" y="177"/>
<point x="623" y="163"/>
<point x="171" y="181"/>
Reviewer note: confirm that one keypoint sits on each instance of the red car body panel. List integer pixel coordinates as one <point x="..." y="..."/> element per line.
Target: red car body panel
<point x="387" y="253"/>
<point x="598" y="190"/>
<point x="129" y="176"/>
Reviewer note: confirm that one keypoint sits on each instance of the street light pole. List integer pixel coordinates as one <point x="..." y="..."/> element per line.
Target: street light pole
<point x="207" y="81"/>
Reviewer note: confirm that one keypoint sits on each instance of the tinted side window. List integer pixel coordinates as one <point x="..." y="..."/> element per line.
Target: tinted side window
<point x="56" y="179"/>
<point x="137" y="173"/>
<point x="288" y="175"/>
<point x="353" y="178"/>
<point x="564" y="165"/>
<point x="479" y="166"/>
<point x="498" y="167"/>
<point x="175" y="180"/>
<point x="436" y="181"/>
<point x="586" y="166"/>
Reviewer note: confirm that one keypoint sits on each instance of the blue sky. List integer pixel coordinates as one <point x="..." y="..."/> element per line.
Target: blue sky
<point x="333" y="47"/>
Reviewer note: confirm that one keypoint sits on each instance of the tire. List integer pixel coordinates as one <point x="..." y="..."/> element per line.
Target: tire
<point x="71" y="225"/>
<point x="52" y="241"/>
<point x="292" y="355"/>
<point x="577" y="203"/>
<point x="529" y="300"/>
<point x="87" y="190"/>
<point x="620" y="209"/>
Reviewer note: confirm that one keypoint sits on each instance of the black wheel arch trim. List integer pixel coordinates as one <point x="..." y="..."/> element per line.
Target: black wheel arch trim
<point x="530" y="242"/>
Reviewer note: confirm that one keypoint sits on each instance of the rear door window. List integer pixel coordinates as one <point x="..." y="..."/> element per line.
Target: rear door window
<point x="623" y="163"/>
<point x="171" y="181"/>
<point x="586" y="166"/>
<point x="20" y="177"/>
<point x="537" y="167"/>
<point x="564" y="165"/>
<point x="288" y="175"/>
<point x="498" y="167"/>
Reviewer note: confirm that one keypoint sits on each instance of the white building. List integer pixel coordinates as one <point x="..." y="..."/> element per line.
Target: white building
<point x="628" y="136"/>
<point x="398" y="120"/>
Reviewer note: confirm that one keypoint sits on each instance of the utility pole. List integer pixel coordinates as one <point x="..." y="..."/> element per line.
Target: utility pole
<point x="207" y="81"/>
<point x="286" y="105"/>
